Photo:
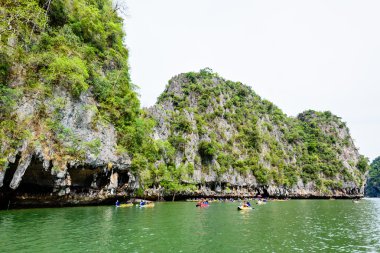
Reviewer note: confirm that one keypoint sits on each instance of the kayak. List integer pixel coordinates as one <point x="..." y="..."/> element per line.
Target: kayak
<point x="261" y="202"/>
<point x="244" y="208"/>
<point x="126" y="205"/>
<point x="148" y="205"/>
<point x="201" y="205"/>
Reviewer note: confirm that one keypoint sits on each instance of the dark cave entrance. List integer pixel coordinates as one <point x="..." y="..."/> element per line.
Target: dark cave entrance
<point x="36" y="180"/>
<point x="265" y="193"/>
<point x="84" y="178"/>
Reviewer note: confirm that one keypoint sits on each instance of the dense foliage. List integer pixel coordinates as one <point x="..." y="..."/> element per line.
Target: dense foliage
<point x="238" y="130"/>
<point x="72" y="45"/>
<point x="373" y="182"/>
<point x="76" y="46"/>
<point x="48" y="46"/>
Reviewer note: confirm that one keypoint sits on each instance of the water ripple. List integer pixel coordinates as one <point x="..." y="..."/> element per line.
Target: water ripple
<point x="293" y="226"/>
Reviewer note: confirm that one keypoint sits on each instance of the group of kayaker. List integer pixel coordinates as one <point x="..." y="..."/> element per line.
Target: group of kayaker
<point x="245" y="204"/>
<point x="202" y="203"/>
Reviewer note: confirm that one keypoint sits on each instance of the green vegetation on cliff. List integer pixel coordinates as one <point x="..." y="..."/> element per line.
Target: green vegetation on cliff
<point x="373" y="182"/>
<point x="58" y="56"/>
<point x="72" y="45"/>
<point x="221" y="126"/>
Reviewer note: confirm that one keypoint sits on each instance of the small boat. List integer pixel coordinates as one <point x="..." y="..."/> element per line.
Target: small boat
<point x="201" y="205"/>
<point x="126" y="205"/>
<point x="150" y="204"/>
<point x="244" y="208"/>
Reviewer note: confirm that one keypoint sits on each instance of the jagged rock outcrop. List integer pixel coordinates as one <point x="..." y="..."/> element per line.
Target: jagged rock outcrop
<point x="224" y="141"/>
<point x="84" y="144"/>
<point x="86" y="141"/>
<point x="237" y="142"/>
<point x="66" y="101"/>
<point x="72" y="130"/>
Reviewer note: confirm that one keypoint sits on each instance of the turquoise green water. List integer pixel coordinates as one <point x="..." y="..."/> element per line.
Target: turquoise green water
<point x="292" y="226"/>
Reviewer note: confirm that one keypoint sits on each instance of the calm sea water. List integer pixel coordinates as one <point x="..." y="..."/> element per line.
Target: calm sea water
<point x="292" y="226"/>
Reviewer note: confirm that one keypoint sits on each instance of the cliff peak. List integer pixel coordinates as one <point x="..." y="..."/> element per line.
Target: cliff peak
<point x="231" y="136"/>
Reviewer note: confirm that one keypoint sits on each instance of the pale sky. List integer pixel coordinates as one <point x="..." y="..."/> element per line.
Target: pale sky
<point x="321" y="55"/>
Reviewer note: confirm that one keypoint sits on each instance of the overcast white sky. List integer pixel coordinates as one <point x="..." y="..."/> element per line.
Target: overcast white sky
<point x="321" y="55"/>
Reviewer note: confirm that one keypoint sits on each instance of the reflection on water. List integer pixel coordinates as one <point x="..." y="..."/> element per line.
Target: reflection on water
<point x="292" y="226"/>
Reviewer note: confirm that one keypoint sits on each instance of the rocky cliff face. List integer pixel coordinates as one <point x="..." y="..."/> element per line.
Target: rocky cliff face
<point x="212" y="137"/>
<point x="67" y="142"/>
<point x="66" y="101"/>
<point x="237" y="143"/>
<point x="72" y="131"/>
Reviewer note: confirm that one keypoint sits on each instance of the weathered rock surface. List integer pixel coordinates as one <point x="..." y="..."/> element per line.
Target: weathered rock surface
<point x="65" y="95"/>
<point x="72" y="140"/>
<point x="202" y="108"/>
<point x="72" y="157"/>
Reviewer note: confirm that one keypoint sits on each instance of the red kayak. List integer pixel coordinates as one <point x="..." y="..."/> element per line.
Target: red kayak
<point x="201" y="205"/>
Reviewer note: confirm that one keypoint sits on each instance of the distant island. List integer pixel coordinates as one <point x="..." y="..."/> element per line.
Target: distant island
<point x="373" y="183"/>
<point x="72" y="130"/>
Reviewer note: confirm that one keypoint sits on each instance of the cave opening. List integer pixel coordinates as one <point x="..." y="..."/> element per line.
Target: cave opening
<point x="211" y="186"/>
<point x="265" y="193"/>
<point x="258" y="192"/>
<point x="36" y="180"/>
<point x="123" y="178"/>
<point x="84" y="178"/>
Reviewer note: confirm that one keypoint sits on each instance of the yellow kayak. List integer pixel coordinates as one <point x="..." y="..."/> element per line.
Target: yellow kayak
<point x="126" y="205"/>
<point x="244" y="208"/>
<point x="148" y="205"/>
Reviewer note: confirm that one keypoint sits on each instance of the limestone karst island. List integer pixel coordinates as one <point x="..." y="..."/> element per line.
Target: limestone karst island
<point x="74" y="133"/>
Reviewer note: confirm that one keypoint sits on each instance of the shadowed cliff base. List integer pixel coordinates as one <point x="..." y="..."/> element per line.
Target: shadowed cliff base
<point x="96" y="186"/>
